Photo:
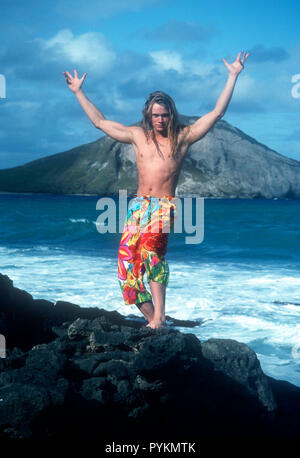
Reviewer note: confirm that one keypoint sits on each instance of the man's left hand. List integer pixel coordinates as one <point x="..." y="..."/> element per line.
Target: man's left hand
<point x="237" y="66"/>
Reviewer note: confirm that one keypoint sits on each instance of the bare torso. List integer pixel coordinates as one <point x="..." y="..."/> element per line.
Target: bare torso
<point x="158" y="176"/>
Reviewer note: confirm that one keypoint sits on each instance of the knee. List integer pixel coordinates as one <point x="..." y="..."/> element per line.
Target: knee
<point x="159" y="272"/>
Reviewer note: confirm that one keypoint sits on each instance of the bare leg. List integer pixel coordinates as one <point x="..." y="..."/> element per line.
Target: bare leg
<point x="147" y="310"/>
<point x="158" y="292"/>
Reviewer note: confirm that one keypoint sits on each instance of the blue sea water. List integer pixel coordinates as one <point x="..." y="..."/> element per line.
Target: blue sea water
<point x="242" y="281"/>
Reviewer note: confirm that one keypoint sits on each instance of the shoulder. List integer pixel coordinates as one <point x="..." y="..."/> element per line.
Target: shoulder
<point x="138" y="132"/>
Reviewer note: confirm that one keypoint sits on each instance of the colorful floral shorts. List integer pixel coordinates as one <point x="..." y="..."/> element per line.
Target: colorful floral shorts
<point x="143" y="246"/>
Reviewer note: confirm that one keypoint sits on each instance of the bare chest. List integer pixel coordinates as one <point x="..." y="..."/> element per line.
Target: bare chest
<point x="159" y="154"/>
<point x="153" y="162"/>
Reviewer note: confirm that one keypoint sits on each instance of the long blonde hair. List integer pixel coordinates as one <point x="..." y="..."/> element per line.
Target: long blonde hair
<point x="174" y="125"/>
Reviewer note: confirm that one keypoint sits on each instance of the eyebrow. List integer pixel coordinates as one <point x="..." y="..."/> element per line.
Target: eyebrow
<point x="161" y="114"/>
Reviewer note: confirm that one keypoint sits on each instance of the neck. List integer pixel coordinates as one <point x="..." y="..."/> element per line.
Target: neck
<point x="162" y="135"/>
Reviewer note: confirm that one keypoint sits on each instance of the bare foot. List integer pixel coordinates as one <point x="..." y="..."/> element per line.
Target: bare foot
<point x="157" y="323"/>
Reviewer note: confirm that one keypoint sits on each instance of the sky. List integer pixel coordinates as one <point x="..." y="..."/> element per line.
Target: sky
<point x="131" y="48"/>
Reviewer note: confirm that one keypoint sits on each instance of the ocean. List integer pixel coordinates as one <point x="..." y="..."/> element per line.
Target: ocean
<point x="242" y="281"/>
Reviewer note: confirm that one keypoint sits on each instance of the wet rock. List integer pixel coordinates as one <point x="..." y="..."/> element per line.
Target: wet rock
<point x="106" y="377"/>
<point x="26" y="322"/>
<point x="240" y="363"/>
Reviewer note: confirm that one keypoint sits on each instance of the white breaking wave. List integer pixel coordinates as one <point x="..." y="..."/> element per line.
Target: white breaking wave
<point x="79" y="220"/>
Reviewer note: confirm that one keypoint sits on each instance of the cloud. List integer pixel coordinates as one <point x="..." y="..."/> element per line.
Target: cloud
<point x="89" y="50"/>
<point x="168" y="60"/>
<point x="261" y="54"/>
<point x="35" y="60"/>
<point x="165" y="60"/>
<point x="50" y="120"/>
<point x="45" y="125"/>
<point x="175" y="31"/>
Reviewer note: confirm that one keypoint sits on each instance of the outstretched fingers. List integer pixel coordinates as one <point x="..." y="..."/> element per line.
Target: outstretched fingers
<point x="243" y="58"/>
<point x="68" y="77"/>
<point x="238" y="56"/>
<point x="73" y="81"/>
<point x="83" y="77"/>
<point x="226" y="63"/>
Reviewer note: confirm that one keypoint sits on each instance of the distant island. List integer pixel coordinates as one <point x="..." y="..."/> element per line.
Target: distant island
<point x="225" y="163"/>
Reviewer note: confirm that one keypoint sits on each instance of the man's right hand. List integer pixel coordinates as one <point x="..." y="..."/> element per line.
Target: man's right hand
<point x="74" y="83"/>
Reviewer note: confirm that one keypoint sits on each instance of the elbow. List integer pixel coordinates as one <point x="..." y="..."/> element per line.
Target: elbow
<point x="219" y="114"/>
<point x="97" y="123"/>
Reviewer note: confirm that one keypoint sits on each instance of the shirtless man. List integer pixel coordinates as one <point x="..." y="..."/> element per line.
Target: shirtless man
<point x="160" y="152"/>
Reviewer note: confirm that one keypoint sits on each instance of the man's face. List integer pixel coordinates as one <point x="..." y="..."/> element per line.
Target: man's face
<point x="160" y="117"/>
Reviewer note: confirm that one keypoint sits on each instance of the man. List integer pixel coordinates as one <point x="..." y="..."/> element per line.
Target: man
<point x="160" y="146"/>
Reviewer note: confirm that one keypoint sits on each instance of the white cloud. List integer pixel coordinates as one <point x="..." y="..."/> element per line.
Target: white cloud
<point x="90" y="50"/>
<point x="172" y="60"/>
<point x="200" y="68"/>
<point x="168" y="60"/>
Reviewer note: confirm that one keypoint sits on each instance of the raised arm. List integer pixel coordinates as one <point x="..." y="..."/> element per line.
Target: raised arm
<point x="114" y="129"/>
<point x="206" y="122"/>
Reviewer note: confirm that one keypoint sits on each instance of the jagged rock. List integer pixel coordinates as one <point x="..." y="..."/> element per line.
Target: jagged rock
<point x="26" y="322"/>
<point x="31" y="388"/>
<point x="239" y="362"/>
<point x="104" y="377"/>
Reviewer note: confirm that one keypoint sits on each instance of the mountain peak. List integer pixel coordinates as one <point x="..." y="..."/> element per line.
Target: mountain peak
<point x="225" y="163"/>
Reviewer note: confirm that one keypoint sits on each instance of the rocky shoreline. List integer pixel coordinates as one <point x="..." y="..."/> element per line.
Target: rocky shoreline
<point x="86" y="372"/>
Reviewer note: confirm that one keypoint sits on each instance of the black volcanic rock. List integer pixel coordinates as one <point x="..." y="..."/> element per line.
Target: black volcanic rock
<point x="225" y="163"/>
<point x="108" y="378"/>
<point x="25" y="321"/>
<point x="245" y="369"/>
